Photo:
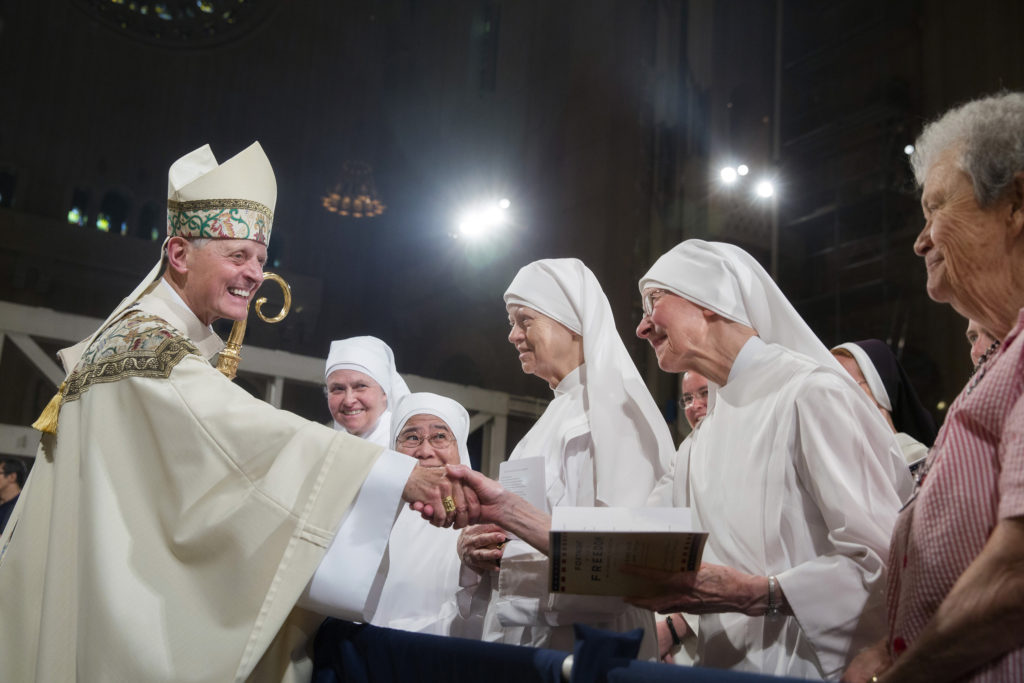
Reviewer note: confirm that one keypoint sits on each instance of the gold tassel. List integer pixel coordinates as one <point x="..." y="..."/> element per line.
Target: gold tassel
<point x="47" y="422"/>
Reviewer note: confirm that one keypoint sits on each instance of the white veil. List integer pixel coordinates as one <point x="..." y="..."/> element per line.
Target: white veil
<point x="632" y="444"/>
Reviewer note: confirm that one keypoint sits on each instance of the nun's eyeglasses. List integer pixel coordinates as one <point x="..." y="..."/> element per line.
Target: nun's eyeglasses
<point x="437" y="440"/>
<point x="688" y="399"/>
<point x="651" y="297"/>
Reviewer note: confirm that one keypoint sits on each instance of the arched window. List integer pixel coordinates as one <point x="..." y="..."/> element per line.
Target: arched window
<point x="151" y="222"/>
<point x="113" y="214"/>
<point x="78" y="213"/>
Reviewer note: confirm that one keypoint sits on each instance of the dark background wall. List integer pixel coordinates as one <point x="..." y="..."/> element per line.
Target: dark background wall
<point x="604" y="122"/>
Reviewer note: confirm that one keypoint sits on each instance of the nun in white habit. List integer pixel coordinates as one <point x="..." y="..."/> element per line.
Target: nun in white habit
<point x="793" y="472"/>
<point x="421" y="582"/>
<point x="603" y="441"/>
<point x="362" y="383"/>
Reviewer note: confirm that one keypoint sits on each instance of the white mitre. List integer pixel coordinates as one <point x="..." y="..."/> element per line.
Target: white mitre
<point x="233" y="200"/>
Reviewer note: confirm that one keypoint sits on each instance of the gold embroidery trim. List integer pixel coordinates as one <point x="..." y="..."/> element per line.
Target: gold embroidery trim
<point x="219" y="204"/>
<point x="157" y="364"/>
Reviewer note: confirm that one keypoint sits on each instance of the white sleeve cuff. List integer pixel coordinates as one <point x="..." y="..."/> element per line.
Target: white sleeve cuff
<point x="342" y="583"/>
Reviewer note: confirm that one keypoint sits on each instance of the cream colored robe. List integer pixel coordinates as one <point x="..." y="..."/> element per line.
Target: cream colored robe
<point x="521" y="610"/>
<point x="793" y="475"/>
<point x="169" y="527"/>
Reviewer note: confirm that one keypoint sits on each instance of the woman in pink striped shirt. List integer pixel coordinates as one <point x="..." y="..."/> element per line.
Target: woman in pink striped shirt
<point x="956" y="574"/>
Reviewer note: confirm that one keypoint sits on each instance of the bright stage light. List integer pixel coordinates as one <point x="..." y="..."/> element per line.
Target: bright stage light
<point x="764" y="189"/>
<point x="484" y="219"/>
<point x="469" y="226"/>
<point x="742" y="169"/>
<point x="728" y="175"/>
<point x="908" y="150"/>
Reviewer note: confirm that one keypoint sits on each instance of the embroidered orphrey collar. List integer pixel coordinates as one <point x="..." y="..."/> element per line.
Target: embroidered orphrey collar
<point x="136" y="345"/>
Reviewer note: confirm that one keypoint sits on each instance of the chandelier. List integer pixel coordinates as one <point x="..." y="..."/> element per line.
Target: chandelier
<point x="181" y="23"/>
<point x="355" y="194"/>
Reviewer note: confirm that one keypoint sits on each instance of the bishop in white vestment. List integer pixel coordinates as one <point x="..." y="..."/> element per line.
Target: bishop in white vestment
<point x="172" y="522"/>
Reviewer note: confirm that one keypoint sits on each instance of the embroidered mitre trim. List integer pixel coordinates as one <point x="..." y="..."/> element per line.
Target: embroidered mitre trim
<point x="136" y="345"/>
<point x="241" y="219"/>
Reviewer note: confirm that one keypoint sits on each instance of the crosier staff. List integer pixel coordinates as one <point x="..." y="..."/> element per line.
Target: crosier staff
<point x="227" y="361"/>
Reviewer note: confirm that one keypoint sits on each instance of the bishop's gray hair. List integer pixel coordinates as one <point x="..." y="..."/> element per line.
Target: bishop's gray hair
<point x="988" y="136"/>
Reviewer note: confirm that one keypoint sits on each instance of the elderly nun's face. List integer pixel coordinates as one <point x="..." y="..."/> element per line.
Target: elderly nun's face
<point x="428" y="439"/>
<point x="356" y="401"/>
<point x="966" y="249"/>
<point x="675" y="328"/>
<point x="547" y="348"/>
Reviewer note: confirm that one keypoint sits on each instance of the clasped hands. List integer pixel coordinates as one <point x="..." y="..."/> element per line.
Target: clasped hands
<point x="476" y="498"/>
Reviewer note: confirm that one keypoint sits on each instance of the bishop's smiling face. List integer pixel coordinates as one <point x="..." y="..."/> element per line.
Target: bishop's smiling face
<point x="221" y="278"/>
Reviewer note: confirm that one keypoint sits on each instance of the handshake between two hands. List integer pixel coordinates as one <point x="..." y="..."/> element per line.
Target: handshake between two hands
<point x="454" y="496"/>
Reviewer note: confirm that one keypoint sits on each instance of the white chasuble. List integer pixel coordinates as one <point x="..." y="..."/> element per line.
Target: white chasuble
<point x="171" y="524"/>
<point x="788" y="473"/>
<point x="521" y="610"/>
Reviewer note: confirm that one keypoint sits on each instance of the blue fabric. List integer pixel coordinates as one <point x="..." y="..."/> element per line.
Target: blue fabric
<point x="597" y="651"/>
<point x="652" y="672"/>
<point x="359" y="653"/>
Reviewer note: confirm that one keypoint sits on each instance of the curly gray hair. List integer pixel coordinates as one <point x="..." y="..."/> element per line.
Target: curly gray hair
<point x="988" y="135"/>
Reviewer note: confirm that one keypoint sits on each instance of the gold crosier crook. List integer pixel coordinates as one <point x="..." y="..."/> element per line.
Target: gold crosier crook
<point x="227" y="361"/>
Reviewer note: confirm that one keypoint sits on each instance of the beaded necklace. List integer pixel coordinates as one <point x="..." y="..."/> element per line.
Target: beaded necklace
<point x="979" y="370"/>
